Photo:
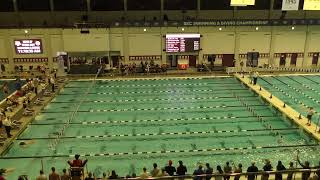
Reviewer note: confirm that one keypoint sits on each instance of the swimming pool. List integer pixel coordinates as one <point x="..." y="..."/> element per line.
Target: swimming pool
<point x="129" y="124"/>
<point x="10" y="85"/>
<point x="300" y="92"/>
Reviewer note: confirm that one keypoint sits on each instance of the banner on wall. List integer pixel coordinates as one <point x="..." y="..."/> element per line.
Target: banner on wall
<point x="311" y="5"/>
<point x="227" y="22"/>
<point x="242" y="2"/>
<point x="290" y="5"/>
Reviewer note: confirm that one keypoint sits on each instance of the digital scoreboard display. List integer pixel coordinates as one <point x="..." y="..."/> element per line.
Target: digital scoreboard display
<point x="28" y="46"/>
<point x="176" y="43"/>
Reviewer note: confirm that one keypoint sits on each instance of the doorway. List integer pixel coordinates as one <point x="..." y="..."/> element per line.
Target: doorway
<point x="228" y="60"/>
<point x="115" y="61"/>
<point x="283" y="59"/>
<point x="172" y="60"/>
<point x="192" y="61"/>
<point x="315" y="59"/>
<point x="293" y="61"/>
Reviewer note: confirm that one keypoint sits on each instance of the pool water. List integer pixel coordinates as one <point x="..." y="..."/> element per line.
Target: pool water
<point x="11" y="84"/>
<point x="300" y="92"/>
<point x="126" y="125"/>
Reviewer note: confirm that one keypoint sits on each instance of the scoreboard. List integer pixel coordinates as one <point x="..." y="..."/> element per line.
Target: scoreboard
<point x="28" y="46"/>
<point x="176" y="43"/>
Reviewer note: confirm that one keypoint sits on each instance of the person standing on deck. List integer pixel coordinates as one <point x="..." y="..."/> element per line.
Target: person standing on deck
<point x="255" y="77"/>
<point x="5" y="89"/>
<point x="309" y="115"/>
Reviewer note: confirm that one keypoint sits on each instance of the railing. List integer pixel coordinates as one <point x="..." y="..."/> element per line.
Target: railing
<point x="271" y="69"/>
<point x="296" y="174"/>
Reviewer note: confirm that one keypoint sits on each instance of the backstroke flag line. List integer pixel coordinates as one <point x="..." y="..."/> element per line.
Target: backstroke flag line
<point x="290" y="5"/>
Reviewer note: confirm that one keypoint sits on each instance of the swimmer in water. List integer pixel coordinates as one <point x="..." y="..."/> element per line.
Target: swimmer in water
<point x="25" y="144"/>
<point x="280" y="140"/>
<point x="6" y="171"/>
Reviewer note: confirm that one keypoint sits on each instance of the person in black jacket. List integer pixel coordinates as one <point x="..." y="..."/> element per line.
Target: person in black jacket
<point x="280" y="167"/>
<point x="267" y="167"/>
<point x="170" y="169"/>
<point x="181" y="169"/>
<point x="251" y="169"/>
<point x="306" y="166"/>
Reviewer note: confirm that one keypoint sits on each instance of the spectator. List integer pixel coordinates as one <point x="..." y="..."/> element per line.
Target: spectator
<point x="181" y="169"/>
<point x="5" y="89"/>
<point x="237" y="170"/>
<point x="208" y="171"/>
<point x="104" y="176"/>
<point x="219" y="171"/>
<point x="309" y="115"/>
<point x="113" y="175"/>
<point x="7" y="125"/>
<point x="290" y="174"/>
<point x="53" y="175"/>
<point x="266" y="168"/>
<point x="227" y="169"/>
<point x="306" y="166"/>
<point x="280" y="167"/>
<point x="255" y="77"/>
<point x="65" y="175"/>
<point x="77" y="165"/>
<point x="198" y="172"/>
<point x="52" y="82"/>
<point x="77" y="162"/>
<point x="170" y="169"/>
<point x="42" y="176"/>
<point x="36" y="85"/>
<point x="155" y="171"/>
<point x="252" y="169"/>
<point x="89" y="177"/>
<point x="23" y="177"/>
<point x="17" y="84"/>
<point x="1" y="175"/>
<point x="145" y="174"/>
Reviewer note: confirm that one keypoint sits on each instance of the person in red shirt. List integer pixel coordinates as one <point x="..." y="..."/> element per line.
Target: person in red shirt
<point x="77" y="162"/>
<point x="77" y="166"/>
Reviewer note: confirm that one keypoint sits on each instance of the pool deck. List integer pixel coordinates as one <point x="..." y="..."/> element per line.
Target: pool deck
<point x="279" y="104"/>
<point x="26" y="120"/>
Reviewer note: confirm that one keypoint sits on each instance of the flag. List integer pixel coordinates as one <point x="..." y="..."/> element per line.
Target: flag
<point x="290" y="5"/>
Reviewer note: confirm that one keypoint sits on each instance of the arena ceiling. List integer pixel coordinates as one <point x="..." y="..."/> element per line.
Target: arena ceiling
<point x="131" y="5"/>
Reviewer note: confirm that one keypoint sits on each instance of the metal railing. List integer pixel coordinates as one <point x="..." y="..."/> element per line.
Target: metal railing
<point x="272" y="69"/>
<point x="296" y="174"/>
